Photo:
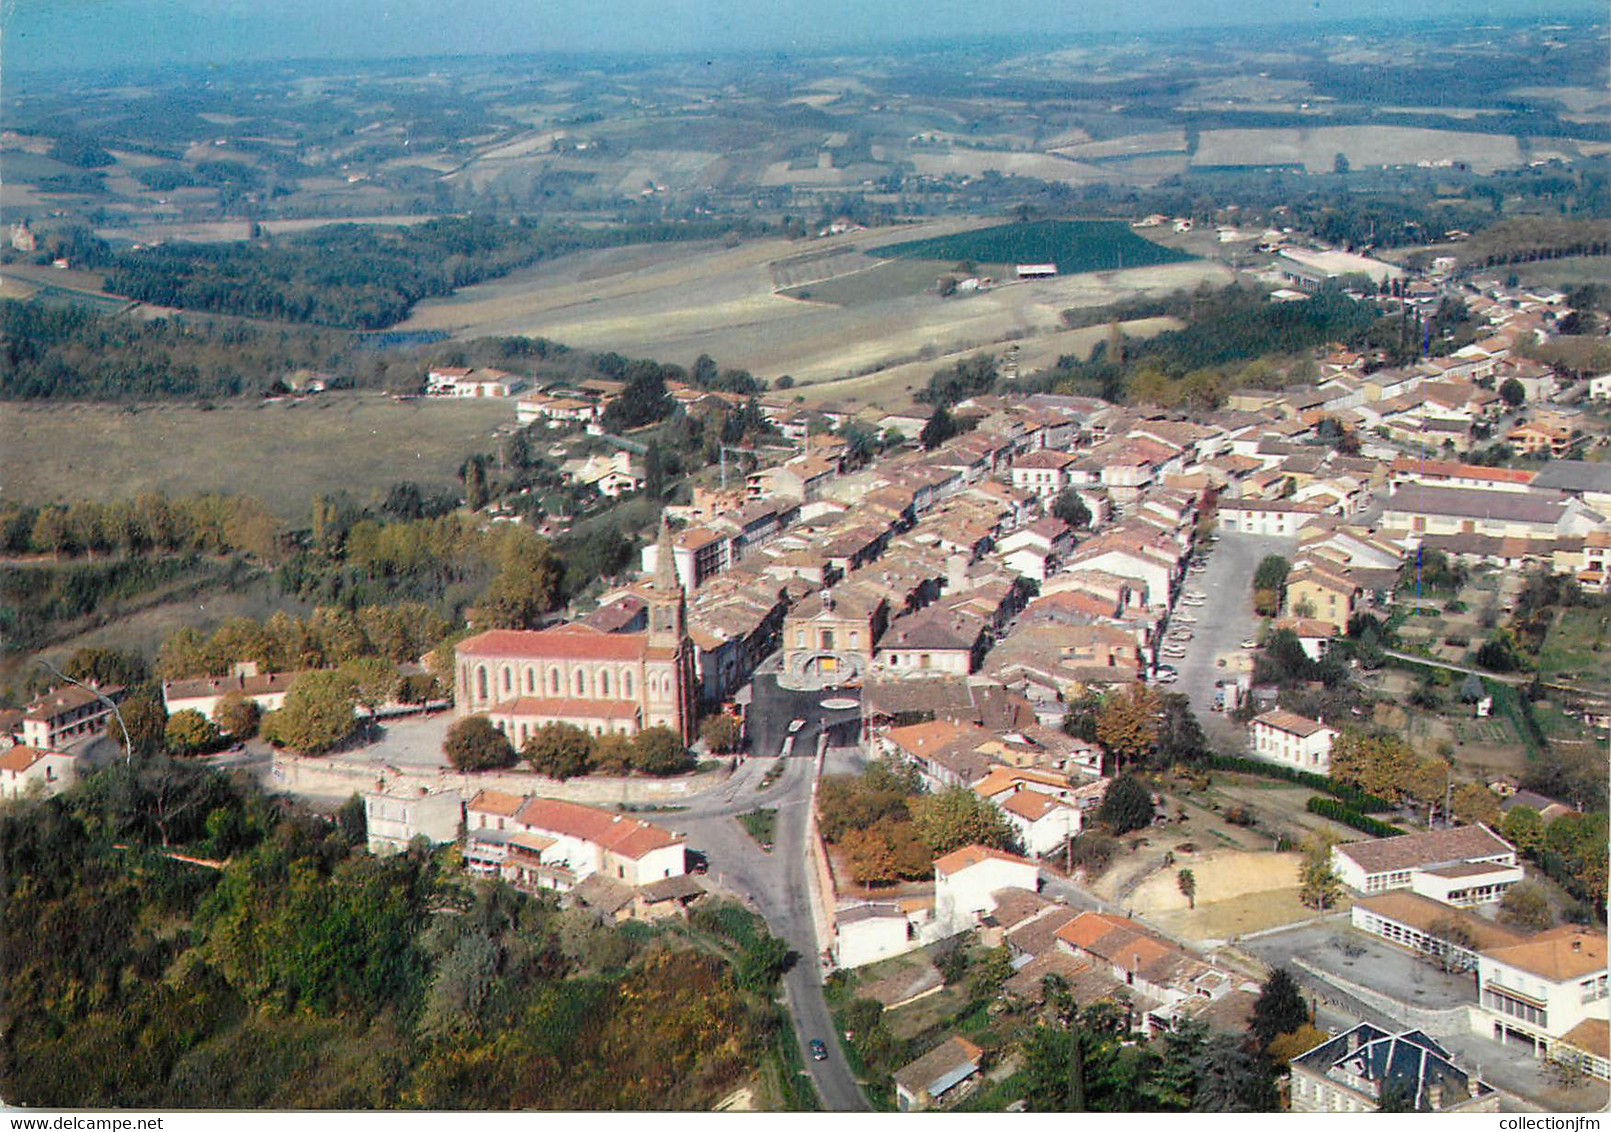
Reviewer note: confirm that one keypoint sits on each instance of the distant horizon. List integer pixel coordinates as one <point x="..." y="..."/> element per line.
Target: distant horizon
<point x="43" y="37"/>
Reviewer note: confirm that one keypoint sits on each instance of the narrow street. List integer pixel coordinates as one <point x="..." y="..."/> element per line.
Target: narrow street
<point x="776" y="885"/>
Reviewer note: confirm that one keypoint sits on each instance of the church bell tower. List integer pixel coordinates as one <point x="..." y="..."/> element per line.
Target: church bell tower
<point x="668" y="606"/>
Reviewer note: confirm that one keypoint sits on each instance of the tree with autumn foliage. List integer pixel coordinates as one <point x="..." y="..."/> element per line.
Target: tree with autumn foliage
<point x="954" y="818"/>
<point x="1382" y="764"/>
<point x="1127" y="725"/>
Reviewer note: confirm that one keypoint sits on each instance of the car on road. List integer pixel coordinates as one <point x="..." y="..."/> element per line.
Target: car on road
<point x="1250" y="643"/>
<point x="819" y="1050"/>
<point x="795" y="725"/>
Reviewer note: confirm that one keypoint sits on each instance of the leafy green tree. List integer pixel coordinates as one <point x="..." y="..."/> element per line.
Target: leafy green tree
<point x="1127" y="805"/>
<point x="559" y="750"/>
<point x="1512" y="392"/>
<point x="1318" y="886"/>
<point x="1280" y="1008"/>
<point x="146" y="721"/>
<point x="1525" y="906"/>
<point x="1269" y="584"/>
<point x="1180" y="737"/>
<point x="720" y="732"/>
<point x="317" y="715"/>
<point x="353" y="821"/>
<point x="120" y="667"/>
<point x="191" y="733"/>
<point x="237" y="715"/>
<point x="473" y="743"/>
<point x="957" y="817"/>
<point x="658" y="750"/>
<point x="1523" y="827"/>
<point x="939" y="428"/>
<point x="374" y="683"/>
<point x="1232" y="1078"/>
<point x="1070" y="508"/>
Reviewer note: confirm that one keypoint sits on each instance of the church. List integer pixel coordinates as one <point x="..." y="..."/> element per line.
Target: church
<point x="599" y="681"/>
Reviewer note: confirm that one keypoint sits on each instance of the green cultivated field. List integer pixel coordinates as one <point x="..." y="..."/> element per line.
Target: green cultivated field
<point x="1565" y="273"/>
<point x="281" y="452"/>
<point x="1074" y="245"/>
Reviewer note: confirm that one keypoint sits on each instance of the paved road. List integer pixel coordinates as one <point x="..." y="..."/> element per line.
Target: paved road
<point x="1227" y="618"/>
<point x="1511" y="678"/>
<point x="775" y="884"/>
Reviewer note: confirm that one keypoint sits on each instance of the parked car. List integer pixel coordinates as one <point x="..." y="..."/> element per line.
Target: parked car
<point x="795" y="725"/>
<point x="1250" y="643"/>
<point x="1163" y="668"/>
<point x="1166" y="678"/>
<point x="819" y="1050"/>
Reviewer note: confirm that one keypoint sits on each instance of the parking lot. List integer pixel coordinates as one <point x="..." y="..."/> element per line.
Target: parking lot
<point x="1226" y="617"/>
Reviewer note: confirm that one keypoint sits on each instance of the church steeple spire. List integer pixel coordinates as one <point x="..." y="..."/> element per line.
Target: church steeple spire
<point x="667" y="605"/>
<point x="665" y="565"/>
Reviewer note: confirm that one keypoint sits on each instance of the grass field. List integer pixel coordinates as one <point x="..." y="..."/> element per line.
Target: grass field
<point x="1574" y="648"/>
<point x="1074" y="245"/>
<point x="886" y="280"/>
<point x="281" y="452"/>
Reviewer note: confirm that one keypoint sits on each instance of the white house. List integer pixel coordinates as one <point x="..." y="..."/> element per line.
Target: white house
<point x="1284" y="737"/>
<point x="555" y="844"/>
<point x="1043" y="823"/>
<point x="966" y="880"/>
<point x="1391" y="862"/>
<point x="457" y="381"/>
<point x="1600" y="387"/>
<point x="1547" y="993"/>
<point x="393" y="819"/>
<point x="1043" y="471"/>
<point x="23" y="766"/>
<point x="202" y="694"/>
<point x="1276" y="517"/>
<point x="866" y="933"/>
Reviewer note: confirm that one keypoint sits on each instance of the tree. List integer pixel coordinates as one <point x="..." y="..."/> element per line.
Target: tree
<point x="191" y="733"/>
<point x="1127" y="725"/>
<point x="1377" y="764"/>
<point x="473" y="743"/>
<point x="1070" y="508"/>
<point x="123" y="668"/>
<point x="1187" y="880"/>
<point x="720" y="732"/>
<point x="868" y="857"/>
<point x="1180" y="737"/>
<point x="957" y="817"/>
<point x="1280" y="1008"/>
<point x="317" y="715"/>
<point x="559" y="750"/>
<point x="1126" y="805"/>
<point x="1512" y="392"/>
<point x="1285" y="1047"/>
<point x="1523" y="827"/>
<point x="1525" y="906"/>
<point x="1473" y="802"/>
<point x="353" y="820"/>
<point x="374" y="682"/>
<point x="1339" y="164"/>
<point x="658" y="750"/>
<point x="1269" y="584"/>
<point x="237" y="715"/>
<point x="146" y="721"/>
<point x="527" y="584"/>
<point x="1318" y="886"/>
<point x="940" y="428"/>
<point x="612" y="753"/>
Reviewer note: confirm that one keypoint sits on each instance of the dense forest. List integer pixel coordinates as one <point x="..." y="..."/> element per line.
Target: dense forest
<point x="1227" y="333"/>
<point x="363" y="277"/>
<point x="296" y="971"/>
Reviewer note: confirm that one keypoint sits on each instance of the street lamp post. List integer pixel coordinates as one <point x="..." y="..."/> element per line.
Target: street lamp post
<point x="128" y="747"/>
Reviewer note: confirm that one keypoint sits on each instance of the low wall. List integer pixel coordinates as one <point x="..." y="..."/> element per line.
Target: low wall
<point x="1443" y="1023"/>
<point x="335" y="779"/>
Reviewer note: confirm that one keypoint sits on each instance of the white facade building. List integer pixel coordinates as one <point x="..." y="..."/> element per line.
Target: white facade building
<point x="1290" y="739"/>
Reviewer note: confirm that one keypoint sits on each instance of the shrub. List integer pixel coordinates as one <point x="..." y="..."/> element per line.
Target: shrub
<point x="1336" y="811"/>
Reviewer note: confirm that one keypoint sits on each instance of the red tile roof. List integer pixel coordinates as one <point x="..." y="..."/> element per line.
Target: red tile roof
<point x="20" y="758"/>
<point x="568" y="707"/>
<point x="564" y="642"/>
<point x="970" y="855"/>
<point x="627" y="837"/>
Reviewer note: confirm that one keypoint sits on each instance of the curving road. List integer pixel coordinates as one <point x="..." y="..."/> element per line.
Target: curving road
<point x="776" y="885"/>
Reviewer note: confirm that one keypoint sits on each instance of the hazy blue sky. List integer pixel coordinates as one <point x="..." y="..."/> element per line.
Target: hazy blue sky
<point x="93" y="33"/>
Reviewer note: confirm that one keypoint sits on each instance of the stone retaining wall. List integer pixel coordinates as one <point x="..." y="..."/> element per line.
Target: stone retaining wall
<point x="335" y="779"/>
